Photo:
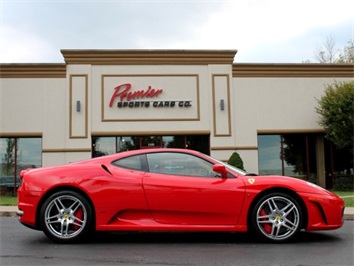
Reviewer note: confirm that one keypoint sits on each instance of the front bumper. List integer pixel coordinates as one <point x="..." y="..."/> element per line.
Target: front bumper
<point x="325" y="212"/>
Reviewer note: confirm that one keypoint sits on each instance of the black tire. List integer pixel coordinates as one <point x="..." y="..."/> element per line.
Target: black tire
<point x="66" y="217"/>
<point x="276" y="217"/>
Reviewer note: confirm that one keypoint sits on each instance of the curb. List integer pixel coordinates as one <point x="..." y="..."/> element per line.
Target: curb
<point x="10" y="211"/>
<point x="349" y="216"/>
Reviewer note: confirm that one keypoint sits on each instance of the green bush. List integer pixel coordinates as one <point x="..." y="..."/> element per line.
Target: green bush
<point x="344" y="184"/>
<point x="336" y="109"/>
<point x="236" y="160"/>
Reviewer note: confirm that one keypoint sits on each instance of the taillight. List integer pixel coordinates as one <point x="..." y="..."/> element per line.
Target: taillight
<point x="23" y="172"/>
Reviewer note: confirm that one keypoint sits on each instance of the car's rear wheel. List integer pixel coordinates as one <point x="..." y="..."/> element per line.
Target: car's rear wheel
<point x="66" y="217"/>
<point x="277" y="217"/>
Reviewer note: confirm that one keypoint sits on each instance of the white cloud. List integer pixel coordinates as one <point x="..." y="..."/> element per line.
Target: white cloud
<point x="24" y="47"/>
<point x="254" y="27"/>
<point x="255" y="23"/>
<point x="276" y="30"/>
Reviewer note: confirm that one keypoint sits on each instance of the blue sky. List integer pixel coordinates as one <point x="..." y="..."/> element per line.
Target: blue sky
<point x="263" y="31"/>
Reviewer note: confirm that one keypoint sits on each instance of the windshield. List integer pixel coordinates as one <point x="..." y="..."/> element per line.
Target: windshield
<point x="230" y="167"/>
<point x="233" y="168"/>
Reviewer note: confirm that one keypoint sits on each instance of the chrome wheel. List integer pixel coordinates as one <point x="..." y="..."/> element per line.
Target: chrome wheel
<point x="65" y="216"/>
<point x="277" y="217"/>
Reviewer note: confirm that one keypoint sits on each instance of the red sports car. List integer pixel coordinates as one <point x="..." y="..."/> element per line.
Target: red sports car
<point x="170" y="190"/>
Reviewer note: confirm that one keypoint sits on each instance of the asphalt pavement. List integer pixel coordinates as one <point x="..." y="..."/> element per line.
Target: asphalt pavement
<point x="11" y="211"/>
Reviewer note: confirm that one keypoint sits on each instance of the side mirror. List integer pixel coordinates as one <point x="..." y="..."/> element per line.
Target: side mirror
<point x="221" y="169"/>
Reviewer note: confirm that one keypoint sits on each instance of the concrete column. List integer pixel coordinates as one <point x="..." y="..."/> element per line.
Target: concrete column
<point x="321" y="179"/>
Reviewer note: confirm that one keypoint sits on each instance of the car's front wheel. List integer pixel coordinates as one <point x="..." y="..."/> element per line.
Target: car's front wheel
<point x="277" y="217"/>
<point x="66" y="217"/>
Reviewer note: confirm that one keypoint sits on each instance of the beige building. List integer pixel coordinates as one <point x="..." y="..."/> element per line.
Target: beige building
<point x="105" y="101"/>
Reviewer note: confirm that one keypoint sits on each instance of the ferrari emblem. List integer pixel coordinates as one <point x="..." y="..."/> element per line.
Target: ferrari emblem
<point x="251" y="180"/>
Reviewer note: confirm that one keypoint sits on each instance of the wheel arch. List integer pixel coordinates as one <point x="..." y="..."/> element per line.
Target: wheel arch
<point x="61" y="188"/>
<point x="280" y="190"/>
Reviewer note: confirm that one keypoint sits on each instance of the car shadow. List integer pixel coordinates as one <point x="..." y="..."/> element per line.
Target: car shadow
<point x="197" y="238"/>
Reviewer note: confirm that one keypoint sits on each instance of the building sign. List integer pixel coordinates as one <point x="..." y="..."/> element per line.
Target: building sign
<point x="141" y="98"/>
<point x="150" y="97"/>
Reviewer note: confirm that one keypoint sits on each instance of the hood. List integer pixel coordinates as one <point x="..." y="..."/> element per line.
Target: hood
<point x="293" y="183"/>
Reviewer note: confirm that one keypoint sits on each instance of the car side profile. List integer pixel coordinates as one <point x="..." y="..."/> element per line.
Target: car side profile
<point x="170" y="190"/>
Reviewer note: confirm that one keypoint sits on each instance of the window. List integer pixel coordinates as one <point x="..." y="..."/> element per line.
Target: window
<point x="109" y="145"/>
<point x="18" y="154"/>
<point x="296" y="155"/>
<point x="179" y="164"/>
<point x="288" y="154"/>
<point x="132" y="162"/>
<point x="339" y="165"/>
<point x="103" y="146"/>
<point x="299" y="156"/>
<point x="269" y="147"/>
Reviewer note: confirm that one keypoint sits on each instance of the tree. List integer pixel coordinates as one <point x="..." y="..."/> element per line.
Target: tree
<point x="336" y="109"/>
<point x="8" y="162"/>
<point x="236" y="161"/>
<point x="293" y="152"/>
<point x="347" y="55"/>
<point x="327" y="52"/>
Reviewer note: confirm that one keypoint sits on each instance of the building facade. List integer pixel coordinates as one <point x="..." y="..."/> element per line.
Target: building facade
<point x="105" y="101"/>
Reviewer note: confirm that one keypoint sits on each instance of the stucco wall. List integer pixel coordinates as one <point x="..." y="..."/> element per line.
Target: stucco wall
<point x="40" y="99"/>
<point x="275" y="105"/>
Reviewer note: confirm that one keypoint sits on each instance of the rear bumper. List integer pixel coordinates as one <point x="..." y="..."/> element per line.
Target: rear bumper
<point x="19" y="212"/>
<point x="27" y="207"/>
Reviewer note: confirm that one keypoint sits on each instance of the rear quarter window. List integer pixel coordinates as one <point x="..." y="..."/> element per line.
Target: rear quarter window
<point x="132" y="162"/>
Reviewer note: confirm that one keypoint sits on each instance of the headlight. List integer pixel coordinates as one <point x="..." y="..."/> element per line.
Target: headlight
<point x="322" y="190"/>
<point x="316" y="186"/>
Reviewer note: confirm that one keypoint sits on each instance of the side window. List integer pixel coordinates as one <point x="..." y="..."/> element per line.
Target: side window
<point x="173" y="163"/>
<point x="132" y="162"/>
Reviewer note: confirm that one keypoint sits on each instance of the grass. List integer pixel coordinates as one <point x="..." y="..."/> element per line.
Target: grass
<point x="8" y="200"/>
<point x="348" y="197"/>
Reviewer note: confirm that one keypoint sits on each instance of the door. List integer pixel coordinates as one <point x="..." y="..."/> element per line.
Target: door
<point x="182" y="189"/>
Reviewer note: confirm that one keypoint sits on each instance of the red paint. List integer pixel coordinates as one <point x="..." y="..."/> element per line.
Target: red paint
<point x="126" y="199"/>
<point x="123" y="92"/>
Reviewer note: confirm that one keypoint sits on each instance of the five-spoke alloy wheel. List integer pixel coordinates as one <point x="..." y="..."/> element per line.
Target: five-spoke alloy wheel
<point x="66" y="216"/>
<point x="277" y="217"/>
